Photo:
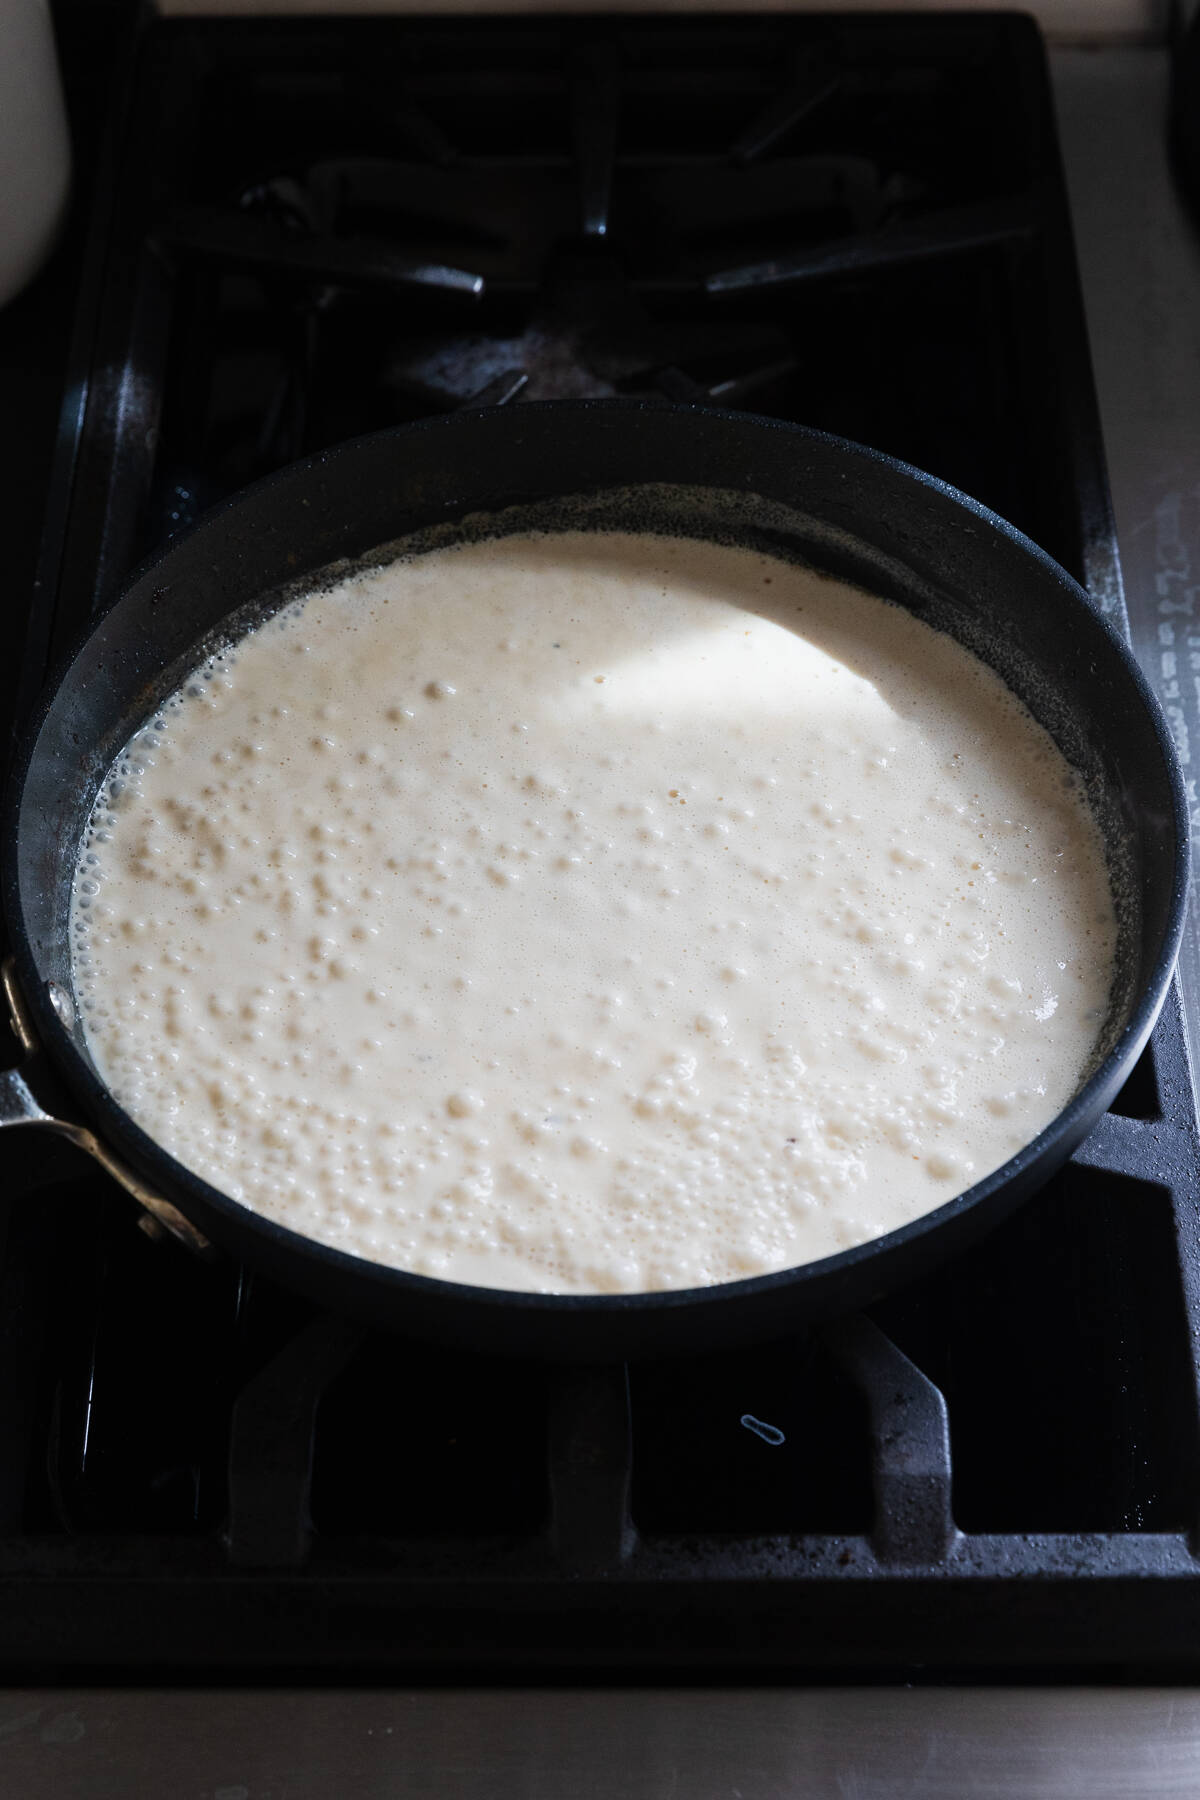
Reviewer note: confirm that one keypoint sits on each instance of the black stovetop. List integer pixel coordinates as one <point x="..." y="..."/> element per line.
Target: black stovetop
<point x="307" y="230"/>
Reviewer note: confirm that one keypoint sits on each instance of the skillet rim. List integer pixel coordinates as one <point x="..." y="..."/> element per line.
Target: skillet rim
<point x="1069" y="1126"/>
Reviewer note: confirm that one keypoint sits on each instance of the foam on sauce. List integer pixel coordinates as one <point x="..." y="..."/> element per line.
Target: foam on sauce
<point x="592" y="912"/>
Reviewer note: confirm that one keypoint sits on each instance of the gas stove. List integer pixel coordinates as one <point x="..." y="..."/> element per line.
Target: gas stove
<point x="858" y="223"/>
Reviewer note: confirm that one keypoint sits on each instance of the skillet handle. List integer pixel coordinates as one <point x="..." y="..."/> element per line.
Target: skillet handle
<point x="29" y="1095"/>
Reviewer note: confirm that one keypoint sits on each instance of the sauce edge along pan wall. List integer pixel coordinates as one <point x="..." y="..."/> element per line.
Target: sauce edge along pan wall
<point x="779" y="487"/>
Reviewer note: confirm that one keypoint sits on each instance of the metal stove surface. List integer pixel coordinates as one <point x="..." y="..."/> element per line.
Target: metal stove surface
<point x="858" y="223"/>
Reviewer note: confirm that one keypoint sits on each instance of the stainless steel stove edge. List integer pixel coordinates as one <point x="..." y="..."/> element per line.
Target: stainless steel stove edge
<point x="647" y="1744"/>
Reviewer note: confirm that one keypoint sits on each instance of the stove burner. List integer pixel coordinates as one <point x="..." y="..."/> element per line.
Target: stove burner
<point x="589" y="337"/>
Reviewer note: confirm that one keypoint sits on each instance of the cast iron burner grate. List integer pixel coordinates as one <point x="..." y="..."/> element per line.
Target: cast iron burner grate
<point x="858" y="223"/>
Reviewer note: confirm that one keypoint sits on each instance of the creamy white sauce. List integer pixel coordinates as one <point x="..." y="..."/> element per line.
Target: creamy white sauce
<point x="592" y="913"/>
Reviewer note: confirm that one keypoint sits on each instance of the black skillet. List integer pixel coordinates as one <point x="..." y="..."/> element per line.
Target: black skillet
<point x="793" y="492"/>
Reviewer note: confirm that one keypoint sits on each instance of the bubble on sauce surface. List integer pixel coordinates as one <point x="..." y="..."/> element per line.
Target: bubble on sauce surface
<point x="552" y="998"/>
